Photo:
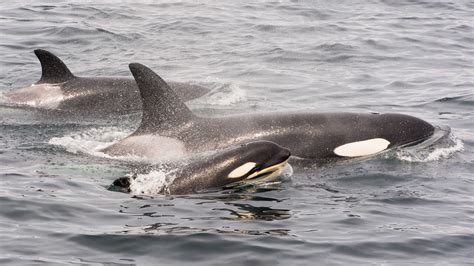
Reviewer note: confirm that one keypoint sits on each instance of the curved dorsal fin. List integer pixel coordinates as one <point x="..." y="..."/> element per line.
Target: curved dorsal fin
<point x="162" y="108"/>
<point x="53" y="69"/>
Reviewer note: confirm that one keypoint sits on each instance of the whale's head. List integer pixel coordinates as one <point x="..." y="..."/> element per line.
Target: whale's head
<point x="256" y="162"/>
<point x="251" y="163"/>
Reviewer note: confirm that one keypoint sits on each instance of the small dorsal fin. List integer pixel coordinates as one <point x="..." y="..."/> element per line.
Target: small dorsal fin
<point x="162" y="108"/>
<point x="53" y="69"/>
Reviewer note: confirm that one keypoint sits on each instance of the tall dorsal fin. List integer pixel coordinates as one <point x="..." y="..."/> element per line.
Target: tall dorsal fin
<point x="162" y="108"/>
<point x="53" y="69"/>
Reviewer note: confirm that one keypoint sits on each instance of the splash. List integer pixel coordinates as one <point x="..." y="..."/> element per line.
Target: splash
<point x="90" y="141"/>
<point x="443" y="144"/>
<point x="93" y="141"/>
<point x="222" y="93"/>
<point x="286" y="173"/>
<point x="153" y="183"/>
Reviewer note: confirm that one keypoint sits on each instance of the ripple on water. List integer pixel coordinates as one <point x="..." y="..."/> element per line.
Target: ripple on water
<point x="412" y="206"/>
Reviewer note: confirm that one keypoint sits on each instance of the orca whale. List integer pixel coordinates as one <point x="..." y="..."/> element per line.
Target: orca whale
<point x="250" y="163"/>
<point x="59" y="89"/>
<point x="319" y="137"/>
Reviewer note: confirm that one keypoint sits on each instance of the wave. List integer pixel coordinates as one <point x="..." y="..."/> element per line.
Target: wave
<point x="221" y="94"/>
<point x="152" y="183"/>
<point x="464" y="100"/>
<point x="91" y="141"/>
<point x="443" y="144"/>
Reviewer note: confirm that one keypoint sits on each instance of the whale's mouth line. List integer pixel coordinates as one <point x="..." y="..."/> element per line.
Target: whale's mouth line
<point x="265" y="175"/>
<point x="273" y="170"/>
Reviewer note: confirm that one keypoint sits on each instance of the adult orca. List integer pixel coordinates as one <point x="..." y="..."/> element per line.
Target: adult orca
<point x="311" y="136"/>
<point x="250" y="163"/>
<point x="59" y="89"/>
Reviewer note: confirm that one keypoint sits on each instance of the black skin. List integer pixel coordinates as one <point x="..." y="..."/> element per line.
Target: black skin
<point x="99" y="95"/>
<point x="310" y="136"/>
<point x="105" y="95"/>
<point x="212" y="171"/>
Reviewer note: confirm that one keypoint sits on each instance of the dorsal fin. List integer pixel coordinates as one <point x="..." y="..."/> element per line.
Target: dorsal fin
<point x="162" y="108"/>
<point x="53" y="69"/>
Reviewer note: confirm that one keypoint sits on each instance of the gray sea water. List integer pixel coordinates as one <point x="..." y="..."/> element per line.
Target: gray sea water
<point x="409" y="207"/>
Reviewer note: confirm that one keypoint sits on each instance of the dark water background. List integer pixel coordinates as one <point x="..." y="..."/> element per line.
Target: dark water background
<point x="411" y="207"/>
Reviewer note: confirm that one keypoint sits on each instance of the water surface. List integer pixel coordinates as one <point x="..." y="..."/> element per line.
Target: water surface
<point x="408" y="207"/>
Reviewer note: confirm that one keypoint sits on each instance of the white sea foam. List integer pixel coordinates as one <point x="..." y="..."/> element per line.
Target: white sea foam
<point x="93" y="141"/>
<point x="222" y="93"/>
<point x="442" y="147"/>
<point x="155" y="182"/>
<point x="90" y="141"/>
<point x="286" y="173"/>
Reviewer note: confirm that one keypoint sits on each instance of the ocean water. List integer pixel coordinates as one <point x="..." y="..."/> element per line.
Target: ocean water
<point x="406" y="207"/>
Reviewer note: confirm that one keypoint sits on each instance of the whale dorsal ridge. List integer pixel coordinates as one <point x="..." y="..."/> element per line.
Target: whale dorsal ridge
<point x="53" y="69"/>
<point x="162" y="108"/>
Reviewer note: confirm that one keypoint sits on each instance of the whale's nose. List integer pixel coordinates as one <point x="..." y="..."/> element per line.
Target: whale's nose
<point x="284" y="154"/>
<point x="404" y="129"/>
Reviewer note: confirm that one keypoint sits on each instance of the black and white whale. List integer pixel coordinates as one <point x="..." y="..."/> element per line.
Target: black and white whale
<point x="59" y="89"/>
<point x="250" y="163"/>
<point x="311" y="136"/>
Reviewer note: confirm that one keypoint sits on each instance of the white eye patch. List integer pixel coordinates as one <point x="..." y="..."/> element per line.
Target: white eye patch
<point x="242" y="170"/>
<point x="362" y="148"/>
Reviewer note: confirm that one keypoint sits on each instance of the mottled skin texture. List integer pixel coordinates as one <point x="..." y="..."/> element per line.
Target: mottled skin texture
<point x="312" y="136"/>
<point x="308" y="135"/>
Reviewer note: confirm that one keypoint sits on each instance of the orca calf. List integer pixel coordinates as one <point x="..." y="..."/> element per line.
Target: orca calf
<point x="312" y="136"/>
<point x="250" y="163"/>
<point x="59" y="89"/>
